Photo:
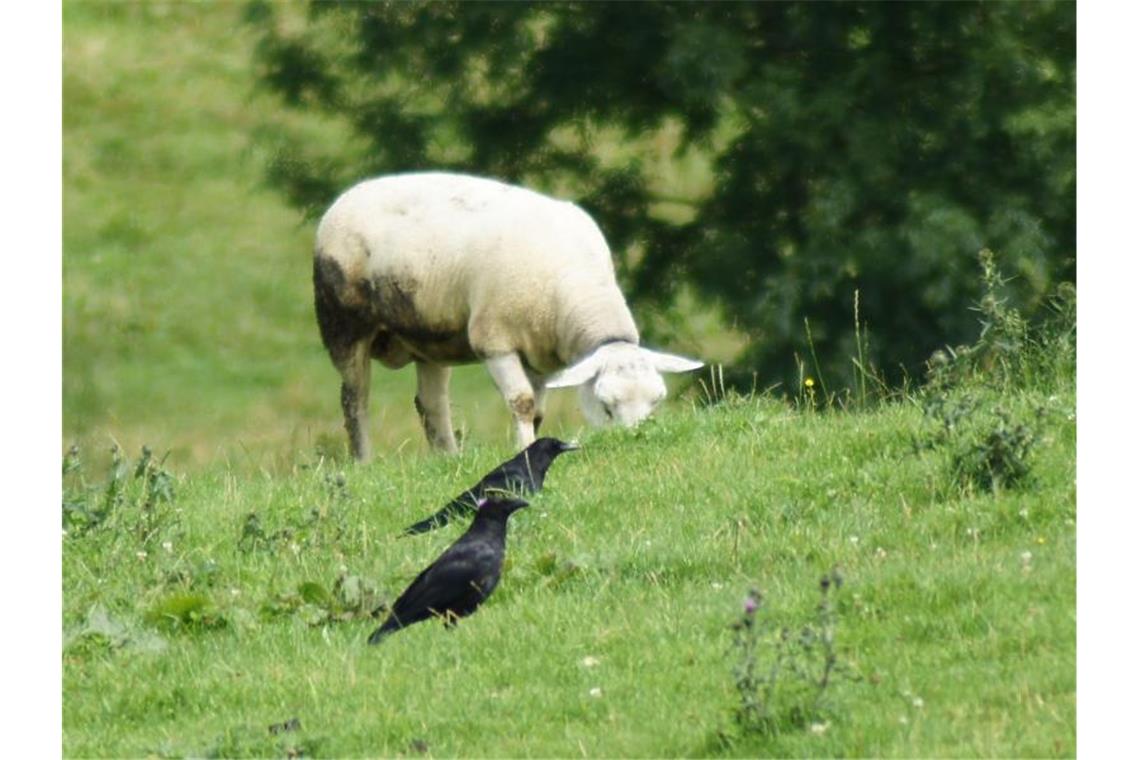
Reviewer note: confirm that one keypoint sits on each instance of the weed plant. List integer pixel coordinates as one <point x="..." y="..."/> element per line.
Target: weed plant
<point x="976" y="396"/>
<point x="783" y="674"/>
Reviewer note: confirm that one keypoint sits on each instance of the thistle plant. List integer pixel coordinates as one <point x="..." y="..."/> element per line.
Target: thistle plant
<point x="140" y="501"/>
<point x="782" y="675"/>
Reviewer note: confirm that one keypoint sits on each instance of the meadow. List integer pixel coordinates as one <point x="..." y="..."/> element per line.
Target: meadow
<point x="216" y="593"/>
<point x="203" y="609"/>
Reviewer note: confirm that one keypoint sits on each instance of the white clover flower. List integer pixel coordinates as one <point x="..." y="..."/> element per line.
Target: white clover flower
<point x="589" y="661"/>
<point x="596" y="692"/>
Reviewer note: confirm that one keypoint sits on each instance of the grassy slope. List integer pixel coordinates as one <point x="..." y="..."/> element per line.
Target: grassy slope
<point x="188" y="324"/>
<point x="667" y="528"/>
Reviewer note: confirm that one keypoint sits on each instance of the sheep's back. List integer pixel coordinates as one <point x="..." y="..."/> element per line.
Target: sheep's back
<point x="455" y="245"/>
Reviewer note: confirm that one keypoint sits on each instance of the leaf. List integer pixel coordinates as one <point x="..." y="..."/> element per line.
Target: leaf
<point x="184" y="610"/>
<point x="99" y="621"/>
<point x="316" y="594"/>
<point x="349" y="591"/>
<point x="100" y="626"/>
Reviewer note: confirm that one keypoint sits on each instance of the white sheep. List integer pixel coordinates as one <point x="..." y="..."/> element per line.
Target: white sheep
<point x="444" y="269"/>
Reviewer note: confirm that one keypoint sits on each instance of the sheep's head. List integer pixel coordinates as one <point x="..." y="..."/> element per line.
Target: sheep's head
<point x="621" y="382"/>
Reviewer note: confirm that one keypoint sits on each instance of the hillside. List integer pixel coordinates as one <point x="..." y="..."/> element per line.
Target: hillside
<point x="196" y="623"/>
<point x="217" y="585"/>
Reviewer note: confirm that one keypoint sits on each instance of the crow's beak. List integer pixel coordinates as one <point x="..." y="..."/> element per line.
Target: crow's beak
<point x="571" y="446"/>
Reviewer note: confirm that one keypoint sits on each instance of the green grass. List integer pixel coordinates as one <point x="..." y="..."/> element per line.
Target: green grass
<point x="638" y="554"/>
<point x="188" y="326"/>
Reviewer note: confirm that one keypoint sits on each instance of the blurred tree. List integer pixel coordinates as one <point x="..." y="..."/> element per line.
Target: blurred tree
<point x="776" y="157"/>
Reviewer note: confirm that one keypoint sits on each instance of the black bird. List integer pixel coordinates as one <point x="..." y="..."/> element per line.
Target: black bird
<point x="521" y="475"/>
<point x="462" y="577"/>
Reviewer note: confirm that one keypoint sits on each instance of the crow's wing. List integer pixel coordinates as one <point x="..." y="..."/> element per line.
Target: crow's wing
<point x="517" y="475"/>
<point x="450" y="581"/>
<point x="514" y="476"/>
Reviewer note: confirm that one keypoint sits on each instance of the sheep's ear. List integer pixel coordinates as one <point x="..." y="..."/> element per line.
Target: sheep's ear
<point x="576" y="374"/>
<point x="663" y="362"/>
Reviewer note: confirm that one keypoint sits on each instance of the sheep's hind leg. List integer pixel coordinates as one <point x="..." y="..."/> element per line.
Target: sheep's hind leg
<point x="433" y="407"/>
<point x="511" y="378"/>
<point x="356" y="374"/>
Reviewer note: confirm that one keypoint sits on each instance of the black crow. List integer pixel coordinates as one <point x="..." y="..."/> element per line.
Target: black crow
<point x="462" y="577"/>
<point x="521" y="475"/>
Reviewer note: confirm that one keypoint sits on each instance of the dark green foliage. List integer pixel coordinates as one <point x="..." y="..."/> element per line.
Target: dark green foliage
<point x="1001" y="457"/>
<point x="989" y="447"/>
<point x="857" y="146"/>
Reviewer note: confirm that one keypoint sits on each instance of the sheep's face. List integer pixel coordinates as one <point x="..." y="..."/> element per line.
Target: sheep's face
<point x="624" y="394"/>
<point x="621" y="382"/>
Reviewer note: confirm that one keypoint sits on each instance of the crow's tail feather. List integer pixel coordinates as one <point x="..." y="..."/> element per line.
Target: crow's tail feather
<point x="438" y="520"/>
<point x="455" y="508"/>
<point x="391" y="625"/>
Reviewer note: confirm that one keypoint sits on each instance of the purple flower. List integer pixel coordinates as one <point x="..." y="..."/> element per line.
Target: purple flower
<point x="750" y="605"/>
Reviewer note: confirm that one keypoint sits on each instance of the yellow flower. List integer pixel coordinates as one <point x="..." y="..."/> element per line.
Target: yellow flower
<point x="809" y="382"/>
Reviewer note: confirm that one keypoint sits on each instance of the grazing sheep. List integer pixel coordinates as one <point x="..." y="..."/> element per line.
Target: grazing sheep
<point x="444" y="269"/>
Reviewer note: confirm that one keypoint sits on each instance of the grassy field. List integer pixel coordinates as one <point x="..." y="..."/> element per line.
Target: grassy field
<point x="192" y="627"/>
<point x="225" y="589"/>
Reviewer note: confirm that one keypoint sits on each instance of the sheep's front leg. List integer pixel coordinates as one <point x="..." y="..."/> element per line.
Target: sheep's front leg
<point x="538" y="383"/>
<point x="355" y="366"/>
<point x="509" y="375"/>
<point x="433" y="406"/>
